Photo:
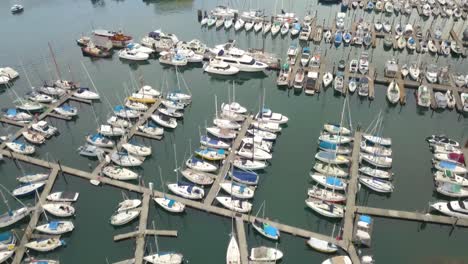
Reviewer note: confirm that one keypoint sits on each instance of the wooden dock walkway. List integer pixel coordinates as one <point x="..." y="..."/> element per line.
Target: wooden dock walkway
<point x="149" y="232"/>
<point x="412" y="216"/>
<point x="140" y="241"/>
<point x="352" y="189"/>
<point x="28" y="233"/>
<point x="227" y="162"/>
<point x="242" y="240"/>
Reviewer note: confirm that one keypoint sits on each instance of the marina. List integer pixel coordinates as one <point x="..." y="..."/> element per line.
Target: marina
<point x="277" y="135"/>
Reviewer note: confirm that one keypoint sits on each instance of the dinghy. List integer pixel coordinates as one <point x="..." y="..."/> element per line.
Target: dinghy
<point x="44" y="128"/>
<point x="44" y="245"/>
<point x="233" y="252"/>
<point x="197" y="177"/>
<point x="268" y="254"/>
<point x="85" y="93"/>
<point x="124" y="217"/>
<point x="164" y="257"/>
<point x="451" y="166"/>
<point x="321" y="245"/>
<point x="151" y="129"/>
<point x="137" y="149"/>
<point x="119" y="173"/>
<point x="249" y="164"/>
<point x="330" y="170"/>
<point x="379" y="161"/>
<point x="331" y="158"/>
<point x="164" y="121"/>
<point x="99" y="140"/>
<point x="375" y="150"/>
<point x="20" y="148"/>
<point x="128" y="204"/>
<point x="326" y="195"/>
<point x="375" y="172"/>
<point x="334" y="139"/>
<point x="126" y="160"/>
<point x="234" y="204"/>
<point x="213" y="143"/>
<point x="13" y="216"/>
<point x="325" y="208"/>
<point x="221" y="132"/>
<point x="200" y="165"/>
<point x="33" y="137"/>
<point x="33" y="178"/>
<point x="448" y="176"/>
<point x="331" y="182"/>
<point x="63" y="197"/>
<point x="245" y="177"/>
<point x="27" y="189"/>
<point x="378" y="185"/>
<point x="56" y="227"/>
<point x="186" y="190"/>
<point x="170" y="205"/>
<point x="457" y="209"/>
<point x="238" y="190"/>
<point x="442" y="140"/>
<point x="445" y="149"/>
<point x="268" y="116"/>
<point x="266" y="229"/>
<point x="59" y="209"/>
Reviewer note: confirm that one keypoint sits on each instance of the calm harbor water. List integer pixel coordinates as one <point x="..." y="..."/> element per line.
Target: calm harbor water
<point x="203" y="238"/>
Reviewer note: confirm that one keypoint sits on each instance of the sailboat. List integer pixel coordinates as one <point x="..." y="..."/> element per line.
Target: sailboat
<point x="264" y="228"/>
<point x="233" y="251"/>
<point x="322" y="245"/>
<point x="12" y="216"/>
<point x="163" y="257"/>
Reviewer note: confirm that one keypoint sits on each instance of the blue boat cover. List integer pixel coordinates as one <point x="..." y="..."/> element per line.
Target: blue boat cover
<point x="306" y="49"/>
<point x="68" y="108"/>
<point x="327" y="145"/>
<point x="297" y="26"/>
<point x="334" y="181"/>
<point x="447" y="165"/>
<point x="245" y="176"/>
<point x="11" y="111"/>
<point x="151" y="124"/>
<point x="171" y="203"/>
<point x="54" y="225"/>
<point x="5" y="236"/>
<point x="95" y="137"/>
<point x="131" y="45"/>
<point x="365" y="218"/>
<point x="270" y="230"/>
<point x="221" y="151"/>
<point x="118" y="108"/>
<point x="327" y="155"/>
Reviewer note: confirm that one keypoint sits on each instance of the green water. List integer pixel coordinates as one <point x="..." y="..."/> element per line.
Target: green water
<point x="203" y="238"/>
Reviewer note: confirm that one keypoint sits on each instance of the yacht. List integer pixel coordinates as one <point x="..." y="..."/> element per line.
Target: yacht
<point x="237" y="58"/>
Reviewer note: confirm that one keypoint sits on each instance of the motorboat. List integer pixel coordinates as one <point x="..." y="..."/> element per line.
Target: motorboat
<point x="248" y="25"/>
<point x="442" y="140"/>
<point x="393" y="92"/>
<point x="444" y="148"/>
<point x="66" y="110"/>
<point x="124" y="217"/>
<point x="119" y="39"/>
<point x="198" y="177"/>
<point x="216" y="66"/>
<point x="16" y="9"/>
<point x="126" y="160"/>
<point x="59" y="209"/>
<point x="164" y="121"/>
<point x="63" y="197"/>
<point x="238" y="190"/>
<point x="305" y="57"/>
<point x="100" y="141"/>
<point x="91" y="151"/>
<point x="432" y="73"/>
<point x="450" y="177"/>
<point x="454" y="167"/>
<point x="50" y="90"/>
<point x="239" y="59"/>
<point x="299" y="79"/>
<point x="327" y="79"/>
<point x="440" y="100"/>
<point x="29" y="106"/>
<point x="164" y="257"/>
<point x="190" y="55"/>
<point x="44" y="245"/>
<point x="326" y="195"/>
<point x="148" y="90"/>
<point x="56" y="227"/>
<point x="200" y="165"/>
<point x="457" y="209"/>
<point x="331" y="182"/>
<point x="17" y="116"/>
<point x="110" y="131"/>
<point x="259" y="143"/>
<point x="261" y="254"/>
<point x="85" y="93"/>
<point x="133" y="54"/>
<point x="115" y="121"/>
<point x="44" y="128"/>
<point x="258" y="26"/>
<point x="269" y="116"/>
<point x="119" y="173"/>
<point x="235" y="204"/>
<point x="266" y="229"/>
<point x="21" y="148"/>
<point x="326" y="209"/>
<point x="228" y="23"/>
<point x="322" y="245"/>
<point x="187" y="190"/>
<point x="171" y="58"/>
<point x="267" y="27"/>
<point x="378" y="185"/>
<point x="33" y="137"/>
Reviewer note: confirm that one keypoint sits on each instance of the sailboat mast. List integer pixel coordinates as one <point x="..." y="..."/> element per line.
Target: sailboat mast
<point x="26" y="74"/>
<point x="216" y="106"/>
<point x="162" y="182"/>
<point x="55" y="62"/>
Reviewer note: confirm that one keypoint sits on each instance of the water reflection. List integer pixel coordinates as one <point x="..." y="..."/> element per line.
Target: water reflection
<point x="98" y="3"/>
<point x="162" y="6"/>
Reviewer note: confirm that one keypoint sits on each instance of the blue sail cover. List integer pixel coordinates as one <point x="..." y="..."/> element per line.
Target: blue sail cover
<point x="245" y="176"/>
<point x="54" y="225"/>
<point x="95" y="137"/>
<point x="5" y="237"/>
<point x="447" y="165"/>
<point x="68" y="108"/>
<point x="365" y="218"/>
<point x="118" y="108"/>
<point x="327" y="155"/>
<point x="334" y="181"/>
<point x="11" y="111"/>
<point x="327" y="145"/>
<point x="270" y="230"/>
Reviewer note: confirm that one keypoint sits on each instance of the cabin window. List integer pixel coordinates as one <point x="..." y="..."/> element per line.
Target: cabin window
<point x="252" y="62"/>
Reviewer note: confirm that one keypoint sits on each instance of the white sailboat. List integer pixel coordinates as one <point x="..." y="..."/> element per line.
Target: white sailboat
<point x="167" y="204"/>
<point x="233" y="251"/>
